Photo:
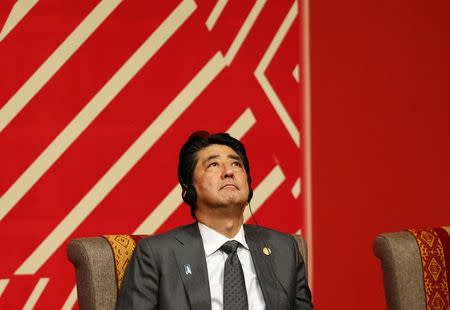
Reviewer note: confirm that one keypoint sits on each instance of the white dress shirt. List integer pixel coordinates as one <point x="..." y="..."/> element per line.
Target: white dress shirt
<point x="215" y="262"/>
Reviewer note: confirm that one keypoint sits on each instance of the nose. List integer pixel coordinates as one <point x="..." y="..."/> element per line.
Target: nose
<point x="227" y="172"/>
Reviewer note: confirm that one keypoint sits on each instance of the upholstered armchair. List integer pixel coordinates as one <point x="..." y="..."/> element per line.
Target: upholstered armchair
<point x="100" y="264"/>
<point x="415" y="266"/>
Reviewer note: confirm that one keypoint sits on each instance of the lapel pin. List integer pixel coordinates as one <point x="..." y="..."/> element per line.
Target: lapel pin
<point x="266" y="251"/>
<point x="187" y="269"/>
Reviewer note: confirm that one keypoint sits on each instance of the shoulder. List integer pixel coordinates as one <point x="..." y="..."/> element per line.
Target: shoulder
<point x="168" y="239"/>
<point x="267" y="232"/>
<point x="273" y="237"/>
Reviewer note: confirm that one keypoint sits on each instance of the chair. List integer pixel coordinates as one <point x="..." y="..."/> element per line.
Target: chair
<point x="413" y="267"/>
<point x="100" y="263"/>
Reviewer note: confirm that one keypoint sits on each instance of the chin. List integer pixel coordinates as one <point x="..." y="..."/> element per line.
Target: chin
<point x="236" y="202"/>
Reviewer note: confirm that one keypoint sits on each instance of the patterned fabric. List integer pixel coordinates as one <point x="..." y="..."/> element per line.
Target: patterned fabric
<point x="434" y="247"/>
<point x="122" y="247"/>
<point x="234" y="292"/>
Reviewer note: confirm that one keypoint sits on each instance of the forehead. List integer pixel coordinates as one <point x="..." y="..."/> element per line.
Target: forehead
<point x="215" y="150"/>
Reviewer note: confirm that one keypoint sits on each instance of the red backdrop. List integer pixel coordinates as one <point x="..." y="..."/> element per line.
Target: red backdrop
<point x="96" y="99"/>
<point x="380" y="129"/>
<point x="380" y="76"/>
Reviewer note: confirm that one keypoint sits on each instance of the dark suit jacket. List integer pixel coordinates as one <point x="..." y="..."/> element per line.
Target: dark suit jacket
<point x="156" y="277"/>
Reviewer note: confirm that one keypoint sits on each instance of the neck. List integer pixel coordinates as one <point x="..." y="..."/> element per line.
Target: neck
<point x="225" y="223"/>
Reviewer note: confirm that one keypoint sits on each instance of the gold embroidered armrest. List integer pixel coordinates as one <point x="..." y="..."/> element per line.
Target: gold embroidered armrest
<point x="434" y="248"/>
<point x="122" y="247"/>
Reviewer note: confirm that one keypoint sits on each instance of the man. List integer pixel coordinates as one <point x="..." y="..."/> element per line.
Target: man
<point x="216" y="262"/>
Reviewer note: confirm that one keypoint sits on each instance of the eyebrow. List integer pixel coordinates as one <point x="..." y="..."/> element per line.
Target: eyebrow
<point x="234" y="157"/>
<point x="211" y="157"/>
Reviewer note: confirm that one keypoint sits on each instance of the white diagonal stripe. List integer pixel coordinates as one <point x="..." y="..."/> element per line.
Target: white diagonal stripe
<point x="296" y="73"/>
<point x="161" y="213"/>
<point x="124" y="164"/>
<point x="171" y="202"/>
<point x="3" y="285"/>
<point x="262" y="79"/>
<point x="19" y="10"/>
<point x="37" y="291"/>
<point x="56" y="60"/>
<point x="71" y="299"/>
<point x="296" y="189"/>
<point x="244" y="30"/>
<point x="215" y="13"/>
<point x="242" y="125"/>
<point x="264" y="189"/>
<point x="62" y="142"/>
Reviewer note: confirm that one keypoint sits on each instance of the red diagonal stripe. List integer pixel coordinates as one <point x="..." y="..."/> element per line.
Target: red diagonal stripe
<point x="229" y="23"/>
<point x="35" y="38"/>
<point x="102" y="143"/>
<point x="71" y="89"/>
<point x="5" y="8"/>
<point x="17" y="292"/>
<point x="279" y="73"/>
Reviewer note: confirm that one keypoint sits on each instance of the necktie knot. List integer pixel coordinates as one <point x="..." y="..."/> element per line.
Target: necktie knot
<point x="230" y="247"/>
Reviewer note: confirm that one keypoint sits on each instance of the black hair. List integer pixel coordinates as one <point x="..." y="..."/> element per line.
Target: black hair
<point x="188" y="160"/>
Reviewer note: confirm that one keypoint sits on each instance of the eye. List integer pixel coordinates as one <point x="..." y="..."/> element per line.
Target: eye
<point x="237" y="164"/>
<point x="213" y="164"/>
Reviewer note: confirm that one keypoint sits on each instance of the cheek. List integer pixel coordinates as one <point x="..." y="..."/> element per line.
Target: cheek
<point x="246" y="188"/>
<point x="205" y="184"/>
<point x="244" y="178"/>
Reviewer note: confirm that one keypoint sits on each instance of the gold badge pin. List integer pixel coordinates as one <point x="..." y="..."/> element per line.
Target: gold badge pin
<point x="266" y="251"/>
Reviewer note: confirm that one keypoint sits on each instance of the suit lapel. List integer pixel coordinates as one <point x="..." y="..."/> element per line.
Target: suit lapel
<point x="264" y="269"/>
<point x="191" y="261"/>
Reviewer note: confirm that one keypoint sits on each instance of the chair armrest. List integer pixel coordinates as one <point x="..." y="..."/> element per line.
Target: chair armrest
<point x="95" y="272"/>
<point x="402" y="270"/>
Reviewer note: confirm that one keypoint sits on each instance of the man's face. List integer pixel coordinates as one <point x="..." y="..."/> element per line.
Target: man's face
<point x="220" y="179"/>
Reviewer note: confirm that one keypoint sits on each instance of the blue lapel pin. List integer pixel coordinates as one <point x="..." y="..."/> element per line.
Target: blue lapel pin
<point x="187" y="269"/>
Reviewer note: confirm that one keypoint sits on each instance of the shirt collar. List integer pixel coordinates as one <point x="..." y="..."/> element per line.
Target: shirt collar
<point x="212" y="240"/>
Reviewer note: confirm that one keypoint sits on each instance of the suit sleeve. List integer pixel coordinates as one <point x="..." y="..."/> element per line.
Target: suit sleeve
<point x="140" y="285"/>
<point x="303" y="293"/>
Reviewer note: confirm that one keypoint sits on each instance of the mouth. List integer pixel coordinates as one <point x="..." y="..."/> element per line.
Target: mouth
<point x="229" y="185"/>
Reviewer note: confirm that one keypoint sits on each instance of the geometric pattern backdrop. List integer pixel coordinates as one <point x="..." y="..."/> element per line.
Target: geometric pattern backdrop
<point x="96" y="99"/>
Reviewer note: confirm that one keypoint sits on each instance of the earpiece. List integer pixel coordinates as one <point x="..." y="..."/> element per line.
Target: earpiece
<point x="189" y="194"/>
<point x="250" y="189"/>
<point x="251" y="213"/>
